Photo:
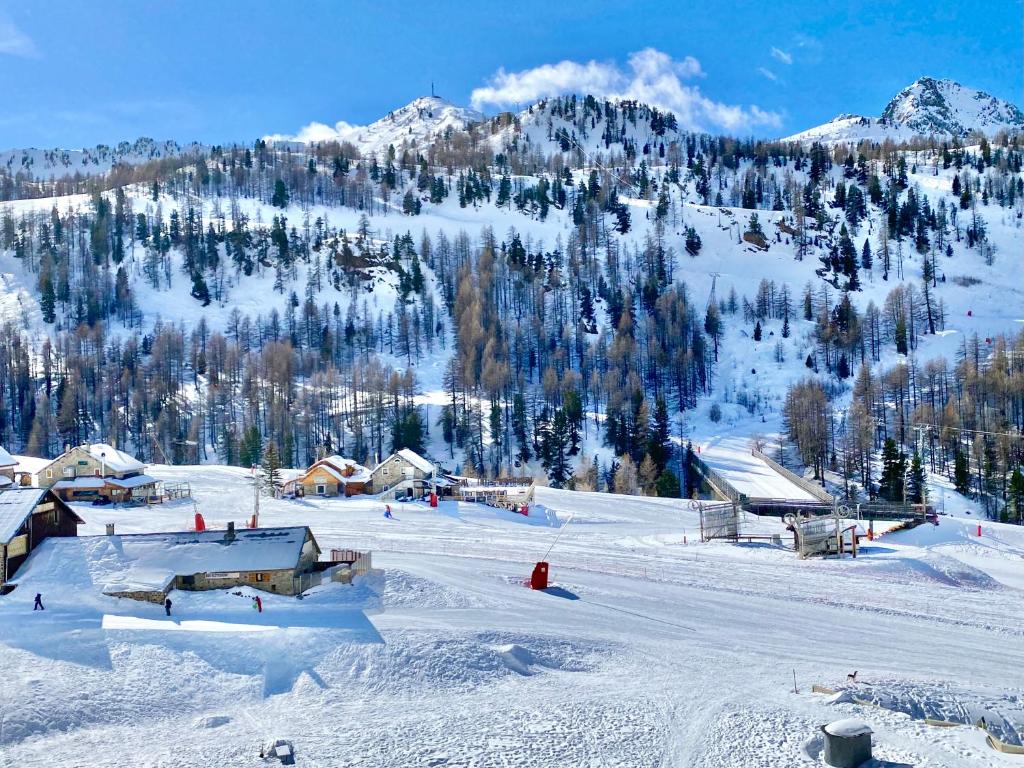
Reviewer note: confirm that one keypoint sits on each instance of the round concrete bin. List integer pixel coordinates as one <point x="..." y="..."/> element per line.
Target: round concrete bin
<point x="847" y="743"/>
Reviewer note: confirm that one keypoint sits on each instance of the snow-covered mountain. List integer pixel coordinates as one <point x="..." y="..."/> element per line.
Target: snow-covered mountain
<point x="55" y="163"/>
<point x="927" y="107"/>
<point x="417" y="123"/>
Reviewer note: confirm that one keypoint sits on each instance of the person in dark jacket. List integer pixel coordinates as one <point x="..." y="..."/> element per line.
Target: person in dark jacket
<point x="167" y="606"/>
<point x="39" y="602"/>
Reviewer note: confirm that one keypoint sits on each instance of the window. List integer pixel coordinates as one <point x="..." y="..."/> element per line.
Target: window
<point x="49" y="474"/>
<point x="321" y="490"/>
<point x="385" y="470"/>
<point x="69" y="471"/>
<point x="260" y="576"/>
<point x="96" y="472"/>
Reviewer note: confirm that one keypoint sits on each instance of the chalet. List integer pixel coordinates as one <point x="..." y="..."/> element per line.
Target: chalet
<point x="333" y="476"/>
<point x="98" y="471"/>
<point x="149" y="565"/>
<point x="28" y="516"/>
<point x="404" y="470"/>
<point x="7" y="465"/>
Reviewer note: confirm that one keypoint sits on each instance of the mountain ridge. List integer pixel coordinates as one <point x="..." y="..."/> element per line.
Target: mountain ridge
<point x="926" y="107"/>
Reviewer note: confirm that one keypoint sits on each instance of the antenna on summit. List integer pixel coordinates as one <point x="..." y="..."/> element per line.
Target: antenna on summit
<point x="432" y="95"/>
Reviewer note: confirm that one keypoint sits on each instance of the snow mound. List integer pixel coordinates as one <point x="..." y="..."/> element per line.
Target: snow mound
<point x="212" y="721"/>
<point x="842" y="697"/>
<point x="517" y="658"/>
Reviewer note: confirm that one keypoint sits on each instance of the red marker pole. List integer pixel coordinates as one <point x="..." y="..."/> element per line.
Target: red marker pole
<point x="979" y="530"/>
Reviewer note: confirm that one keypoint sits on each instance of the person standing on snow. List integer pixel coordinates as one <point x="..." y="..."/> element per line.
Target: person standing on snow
<point x="259" y="604"/>
<point x="167" y="606"/>
<point x="39" y="602"/>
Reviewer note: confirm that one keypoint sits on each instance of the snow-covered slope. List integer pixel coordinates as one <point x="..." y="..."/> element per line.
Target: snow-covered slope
<point x="654" y="650"/>
<point x="416" y="124"/>
<point x="55" y="163"/>
<point x="927" y="107"/>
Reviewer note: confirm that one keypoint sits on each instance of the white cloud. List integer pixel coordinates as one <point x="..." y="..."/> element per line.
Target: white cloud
<point x="781" y="55"/>
<point x="650" y="76"/>
<point x="319" y="132"/>
<point x="768" y="73"/>
<point x="14" y="42"/>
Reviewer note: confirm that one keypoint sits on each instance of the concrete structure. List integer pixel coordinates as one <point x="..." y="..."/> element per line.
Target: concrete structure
<point x="333" y="476"/>
<point x="847" y="743"/>
<point x="94" y="471"/>
<point x="404" y="470"/>
<point x="28" y="516"/>
<point x="150" y="565"/>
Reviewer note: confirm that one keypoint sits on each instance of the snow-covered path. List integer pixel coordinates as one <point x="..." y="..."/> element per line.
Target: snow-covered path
<point x="753" y="477"/>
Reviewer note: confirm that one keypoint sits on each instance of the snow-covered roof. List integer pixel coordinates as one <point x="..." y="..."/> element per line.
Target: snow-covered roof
<point x="338" y="466"/>
<point x="357" y="473"/>
<point x="16" y="505"/>
<point x="80" y="484"/>
<point x="849" y="728"/>
<point x="6" y="460"/>
<point x="115" y="460"/>
<point x="136" y="481"/>
<point x="416" y="460"/>
<point x="150" y="561"/>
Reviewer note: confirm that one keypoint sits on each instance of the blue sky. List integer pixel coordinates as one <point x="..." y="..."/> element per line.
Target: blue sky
<point x="80" y="73"/>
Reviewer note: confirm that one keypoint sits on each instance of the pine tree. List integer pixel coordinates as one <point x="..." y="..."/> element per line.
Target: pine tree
<point x="865" y="255"/>
<point x="667" y="485"/>
<point x="555" y="450"/>
<point x="894" y="470"/>
<point x="916" y="481"/>
<point x="757" y="331"/>
<point x="659" y="447"/>
<point x="1015" y="498"/>
<point x="280" y="197"/>
<point x="961" y="473"/>
<point x="272" y="468"/>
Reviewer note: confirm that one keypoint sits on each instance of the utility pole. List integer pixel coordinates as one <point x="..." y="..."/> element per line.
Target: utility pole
<point x="255" y="497"/>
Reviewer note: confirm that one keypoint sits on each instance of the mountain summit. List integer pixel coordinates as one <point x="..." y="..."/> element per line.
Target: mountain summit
<point x="926" y="107"/>
<point x="417" y="123"/>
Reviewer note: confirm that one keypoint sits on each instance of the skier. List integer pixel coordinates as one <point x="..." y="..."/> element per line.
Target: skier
<point x="39" y="602"/>
<point x="387" y="512"/>
<point x="167" y="606"/>
<point x="259" y="604"/>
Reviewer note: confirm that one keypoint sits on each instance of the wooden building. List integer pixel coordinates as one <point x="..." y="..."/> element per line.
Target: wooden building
<point x="98" y="471"/>
<point x="333" y="476"/>
<point x="29" y="516"/>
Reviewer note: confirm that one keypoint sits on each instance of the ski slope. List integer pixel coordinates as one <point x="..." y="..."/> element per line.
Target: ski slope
<point x="654" y="651"/>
